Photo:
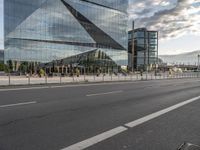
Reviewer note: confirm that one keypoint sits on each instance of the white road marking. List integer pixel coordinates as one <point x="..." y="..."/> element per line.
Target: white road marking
<point x="108" y="134"/>
<point x="18" y="104"/>
<point x="64" y="86"/>
<point x="107" y="93"/>
<point x="96" y="139"/>
<point x="19" y="89"/>
<point x="160" y="113"/>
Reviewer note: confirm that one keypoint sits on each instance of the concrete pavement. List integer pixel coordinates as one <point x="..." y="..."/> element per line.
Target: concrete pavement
<point x="53" y="118"/>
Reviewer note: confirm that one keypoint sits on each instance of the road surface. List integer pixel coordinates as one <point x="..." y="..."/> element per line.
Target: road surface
<point x="143" y="115"/>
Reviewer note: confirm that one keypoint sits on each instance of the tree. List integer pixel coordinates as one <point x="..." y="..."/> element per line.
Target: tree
<point x="23" y="67"/>
<point x="41" y="72"/>
<point x="10" y="65"/>
<point x="1" y="67"/>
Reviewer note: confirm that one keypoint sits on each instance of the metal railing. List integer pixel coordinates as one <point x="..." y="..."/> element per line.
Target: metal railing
<point x="60" y="79"/>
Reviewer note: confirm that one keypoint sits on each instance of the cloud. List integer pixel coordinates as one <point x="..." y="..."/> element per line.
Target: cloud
<point x="172" y="18"/>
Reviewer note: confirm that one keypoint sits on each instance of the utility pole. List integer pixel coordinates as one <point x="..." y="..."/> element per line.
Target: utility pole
<point x="146" y="40"/>
<point x="146" y="52"/>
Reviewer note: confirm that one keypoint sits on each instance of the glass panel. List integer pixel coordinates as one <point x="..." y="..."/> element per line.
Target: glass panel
<point x="112" y="22"/>
<point x="139" y="34"/>
<point x="140" y="48"/>
<point x="57" y="26"/>
<point x="153" y="41"/>
<point x="45" y="30"/>
<point x="140" y="61"/>
<point x="152" y="60"/>
<point x="140" y="41"/>
<point x="153" y="34"/>
<point x="115" y="4"/>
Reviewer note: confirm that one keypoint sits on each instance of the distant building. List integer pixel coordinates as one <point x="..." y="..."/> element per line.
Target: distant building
<point x="143" y="49"/>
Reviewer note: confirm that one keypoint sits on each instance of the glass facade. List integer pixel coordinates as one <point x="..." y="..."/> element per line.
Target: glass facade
<point x="145" y="48"/>
<point x="43" y="31"/>
<point x="1" y="56"/>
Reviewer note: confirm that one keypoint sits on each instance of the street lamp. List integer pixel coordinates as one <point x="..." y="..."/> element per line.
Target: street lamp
<point x="198" y="64"/>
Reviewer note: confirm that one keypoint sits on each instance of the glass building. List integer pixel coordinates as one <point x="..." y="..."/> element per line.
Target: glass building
<point x="144" y="54"/>
<point x="1" y="56"/>
<point x="47" y="31"/>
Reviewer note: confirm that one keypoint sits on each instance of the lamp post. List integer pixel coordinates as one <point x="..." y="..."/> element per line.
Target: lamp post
<point x="133" y="46"/>
<point x="198" y="65"/>
<point x="199" y="62"/>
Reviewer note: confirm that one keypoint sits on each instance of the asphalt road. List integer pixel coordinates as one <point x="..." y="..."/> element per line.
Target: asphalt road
<point x="95" y="116"/>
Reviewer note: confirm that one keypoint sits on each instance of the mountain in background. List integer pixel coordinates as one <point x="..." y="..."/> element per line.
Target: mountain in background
<point x="190" y="58"/>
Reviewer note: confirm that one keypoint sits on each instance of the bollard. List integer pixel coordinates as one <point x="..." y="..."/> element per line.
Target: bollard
<point x="94" y="77"/>
<point x="45" y="79"/>
<point x="84" y="74"/>
<point x="9" y="82"/>
<point x="29" y="80"/>
<point x="60" y="79"/>
<point x="146" y="76"/>
<point x="73" y="78"/>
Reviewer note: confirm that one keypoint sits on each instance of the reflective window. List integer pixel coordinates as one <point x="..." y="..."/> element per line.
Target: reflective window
<point x="46" y="30"/>
<point x="140" y="34"/>
<point x="140" y="41"/>
<point x="153" y="35"/>
<point x="115" y="4"/>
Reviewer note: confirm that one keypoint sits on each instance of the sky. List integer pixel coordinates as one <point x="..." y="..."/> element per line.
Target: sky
<point x="178" y="23"/>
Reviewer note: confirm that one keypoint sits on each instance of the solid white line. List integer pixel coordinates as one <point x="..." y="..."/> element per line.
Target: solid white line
<point x="96" y="139"/>
<point x="18" y="104"/>
<point x="98" y="94"/>
<point x="63" y="86"/>
<point x="19" y="89"/>
<point x="101" y="137"/>
<point x="160" y="113"/>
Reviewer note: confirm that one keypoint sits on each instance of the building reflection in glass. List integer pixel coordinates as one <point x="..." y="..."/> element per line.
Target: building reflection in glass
<point x="45" y="31"/>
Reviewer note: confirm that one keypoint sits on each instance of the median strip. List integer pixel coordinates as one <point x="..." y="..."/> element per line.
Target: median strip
<point x="18" y="104"/>
<point x="107" y="93"/>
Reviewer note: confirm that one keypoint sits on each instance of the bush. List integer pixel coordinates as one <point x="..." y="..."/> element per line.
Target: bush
<point x="3" y="67"/>
<point x="42" y="73"/>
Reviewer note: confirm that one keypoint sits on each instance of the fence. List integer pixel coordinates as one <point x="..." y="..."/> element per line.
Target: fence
<point x="31" y="80"/>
